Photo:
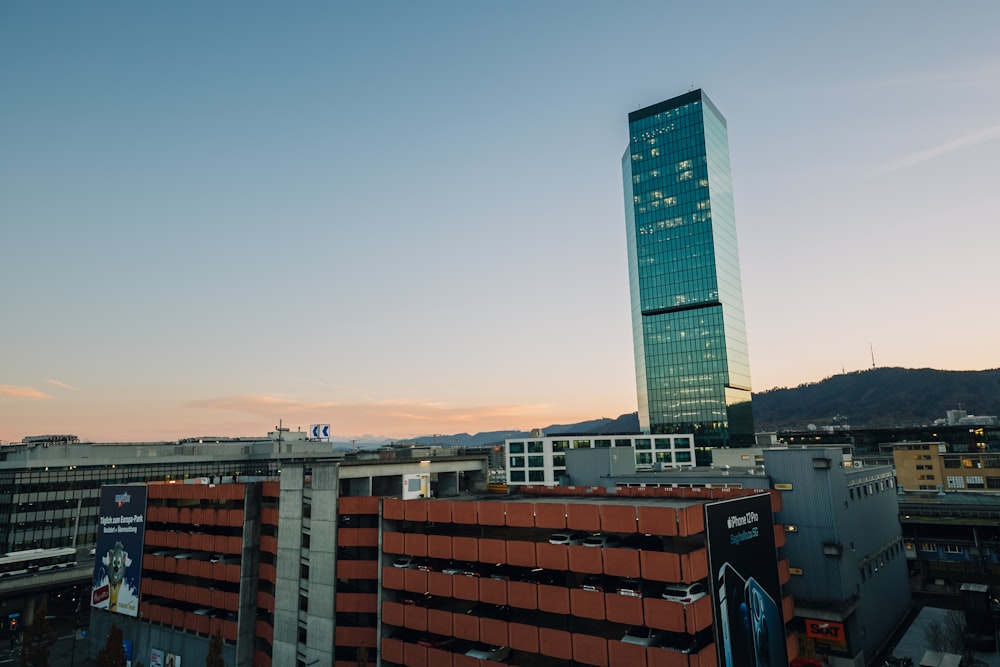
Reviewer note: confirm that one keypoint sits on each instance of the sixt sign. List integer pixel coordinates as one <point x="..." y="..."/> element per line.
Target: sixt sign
<point x="829" y="631"/>
<point x="319" y="431"/>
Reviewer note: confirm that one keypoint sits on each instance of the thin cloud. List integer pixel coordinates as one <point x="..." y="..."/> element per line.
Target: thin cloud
<point x="64" y="385"/>
<point x="961" y="143"/>
<point x="393" y="418"/>
<point x="400" y="408"/>
<point x="12" y="391"/>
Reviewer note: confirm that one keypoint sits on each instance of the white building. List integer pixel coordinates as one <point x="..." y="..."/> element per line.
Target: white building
<point x="541" y="460"/>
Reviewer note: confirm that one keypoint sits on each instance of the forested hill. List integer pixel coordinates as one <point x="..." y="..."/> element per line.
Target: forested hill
<point x="879" y="397"/>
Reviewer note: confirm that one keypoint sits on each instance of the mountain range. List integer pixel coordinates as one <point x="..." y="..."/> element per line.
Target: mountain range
<point x="878" y="397"/>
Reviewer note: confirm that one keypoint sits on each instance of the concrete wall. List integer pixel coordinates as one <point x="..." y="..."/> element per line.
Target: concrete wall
<point x="322" y="584"/>
<point x="286" y="589"/>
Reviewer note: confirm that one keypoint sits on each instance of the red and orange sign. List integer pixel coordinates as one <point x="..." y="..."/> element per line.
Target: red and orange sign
<point x="828" y="631"/>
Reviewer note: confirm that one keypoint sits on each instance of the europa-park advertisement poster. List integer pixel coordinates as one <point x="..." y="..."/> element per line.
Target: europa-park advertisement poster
<point x="118" y="557"/>
<point x="746" y="590"/>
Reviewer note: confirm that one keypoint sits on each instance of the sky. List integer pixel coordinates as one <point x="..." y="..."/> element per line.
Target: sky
<point x="406" y="218"/>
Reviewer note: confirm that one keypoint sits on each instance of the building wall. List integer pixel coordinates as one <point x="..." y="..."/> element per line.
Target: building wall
<point x="288" y="566"/>
<point x="930" y="466"/>
<point x="541" y="461"/>
<point x="516" y="589"/>
<point x="844" y="546"/>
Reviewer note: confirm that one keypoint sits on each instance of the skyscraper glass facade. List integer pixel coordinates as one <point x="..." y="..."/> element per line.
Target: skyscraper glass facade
<point x="692" y="365"/>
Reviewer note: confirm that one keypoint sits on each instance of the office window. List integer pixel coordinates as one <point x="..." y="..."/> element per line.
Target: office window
<point x="559" y="460"/>
<point x="581" y="444"/>
<point x="517" y="448"/>
<point x="928" y="546"/>
<point x="517" y="462"/>
<point x="536" y="447"/>
<point x="952" y="549"/>
<point x="955" y="482"/>
<point x="536" y="475"/>
<point x="602" y="443"/>
<point x="975" y="482"/>
<point x="643" y="443"/>
<point x="682" y="457"/>
<point x="536" y="461"/>
<point x="517" y="475"/>
<point x="643" y="458"/>
<point x="560" y="445"/>
<point x="662" y="443"/>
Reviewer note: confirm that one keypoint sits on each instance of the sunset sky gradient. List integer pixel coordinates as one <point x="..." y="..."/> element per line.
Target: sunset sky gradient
<point x="406" y="218"/>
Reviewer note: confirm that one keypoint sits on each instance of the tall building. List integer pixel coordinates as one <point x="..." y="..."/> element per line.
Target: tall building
<point x="692" y="366"/>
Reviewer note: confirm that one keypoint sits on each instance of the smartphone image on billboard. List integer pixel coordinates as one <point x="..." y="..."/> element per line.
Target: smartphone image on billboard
<point x="734" y="619"/>
<point x="767" y="635"/>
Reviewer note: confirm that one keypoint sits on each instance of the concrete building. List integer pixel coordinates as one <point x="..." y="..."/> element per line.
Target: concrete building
<point x="931" y="466"/>
<point x="507" y="578"/>
<point x="845" y="552"/>
<point x="292" y="596"/>
<point x="844" y="543"/>
<point x="541" y="460"/>
<point x="951" y="538"/>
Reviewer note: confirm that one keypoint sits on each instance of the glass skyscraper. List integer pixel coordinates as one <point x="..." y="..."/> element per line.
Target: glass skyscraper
<point x="691" y="360"/>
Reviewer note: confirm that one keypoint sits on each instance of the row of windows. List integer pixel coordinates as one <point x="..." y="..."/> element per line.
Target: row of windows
<point x="876" y="563"/>
<point x="638" y="443"/>
<point x="932" y="547"/>
<point x="865" y="490"/>
<point x="533" y="476"/>
<point x="973" y="482"/>
<point x="990" y="461"/>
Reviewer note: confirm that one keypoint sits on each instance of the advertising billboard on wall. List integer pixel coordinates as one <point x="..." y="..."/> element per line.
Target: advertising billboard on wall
<point x="743" y="576"/>
<point x="118" y="555"/>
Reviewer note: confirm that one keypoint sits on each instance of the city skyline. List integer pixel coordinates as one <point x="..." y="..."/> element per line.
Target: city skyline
<point x="409" y="221"/>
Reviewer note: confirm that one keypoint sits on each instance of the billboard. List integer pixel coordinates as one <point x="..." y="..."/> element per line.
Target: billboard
<point x="118" y="555"/>
<point x="743" y="577"/>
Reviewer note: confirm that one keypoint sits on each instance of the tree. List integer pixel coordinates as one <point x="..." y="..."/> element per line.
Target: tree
<point x="214" y="657"/>
<point x="113" y="653"/>
<point x="38" y="637"/>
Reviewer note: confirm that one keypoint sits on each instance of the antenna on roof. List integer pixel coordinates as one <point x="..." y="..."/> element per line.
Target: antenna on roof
<point x="872" y="349"/>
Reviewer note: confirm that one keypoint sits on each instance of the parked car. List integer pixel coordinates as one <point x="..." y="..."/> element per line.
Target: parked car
<point x="574" y="537"/>
<point x="643" y="636"/>
<point x="501" y="572"/>
<point x="595" y="582"/>
<point x="683" y="643"/>
<point x="635" y="588"/>
<point x="435" y="640"/>
<point x="466" y="569"/>
<point x="542" y="576"/>
<point x="405" y="562"/>
<point x="603" y="540"/>
<point x="684" y="593"/>
<point x="484" y="652"/>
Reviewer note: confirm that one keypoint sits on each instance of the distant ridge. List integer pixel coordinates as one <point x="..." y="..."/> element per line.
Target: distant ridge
<point x="879" y="397"/>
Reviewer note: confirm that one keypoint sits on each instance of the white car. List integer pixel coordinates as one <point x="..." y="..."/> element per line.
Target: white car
<point x="484" y="652"/>
<point x="643" y="636"/>
<point x="463" y="569"/>
<point x="684" y="593"/>
<point x="575" y="537"/>
<point x="412" y="563"/>
<point x="602" y="540"/>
